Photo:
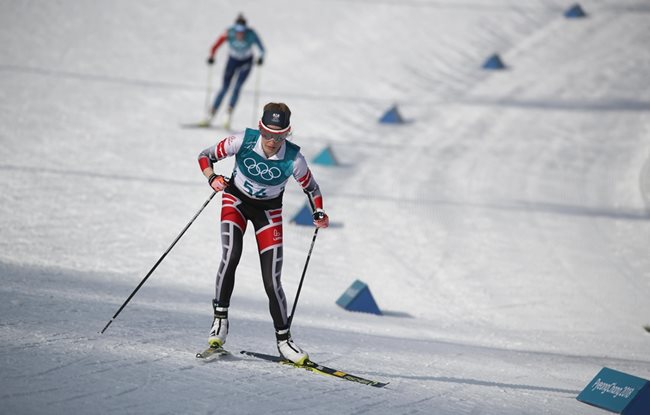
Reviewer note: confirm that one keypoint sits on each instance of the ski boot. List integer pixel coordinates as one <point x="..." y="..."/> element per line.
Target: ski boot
<point x="207" y="121"/>
<point x="219" y="329"/>
<point x="288" y="349"/>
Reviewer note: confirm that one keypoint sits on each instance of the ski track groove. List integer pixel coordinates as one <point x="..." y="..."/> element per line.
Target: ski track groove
<point x="74" y="397"/>
<point x="28" y="393"/>
<point x="57" y="368"/>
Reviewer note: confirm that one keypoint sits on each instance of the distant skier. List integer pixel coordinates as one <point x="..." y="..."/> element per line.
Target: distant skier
<point x="264" y="162"/>
<point x="240" y="62"/>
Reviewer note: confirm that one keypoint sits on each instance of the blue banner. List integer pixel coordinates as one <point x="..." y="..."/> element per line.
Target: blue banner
<point x="614" y="391"/>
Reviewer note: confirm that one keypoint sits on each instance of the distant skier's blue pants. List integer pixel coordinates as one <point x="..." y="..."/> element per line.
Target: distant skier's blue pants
<point x="234" y="66"/>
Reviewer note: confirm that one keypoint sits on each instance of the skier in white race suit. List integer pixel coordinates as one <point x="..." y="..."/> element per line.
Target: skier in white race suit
<point x="264" y="162"/>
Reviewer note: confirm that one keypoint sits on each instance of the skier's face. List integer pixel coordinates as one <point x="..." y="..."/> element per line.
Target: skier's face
<point x="271" y="143"/>
<point x="276" y="138"/>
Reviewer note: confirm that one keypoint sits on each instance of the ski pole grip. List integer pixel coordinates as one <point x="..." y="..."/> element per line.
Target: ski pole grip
<point x="214" y="176"/>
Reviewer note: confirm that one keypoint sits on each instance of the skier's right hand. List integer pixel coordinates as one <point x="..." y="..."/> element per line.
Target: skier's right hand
<point x="217" y="182"/>
<point x="211" y="60"/>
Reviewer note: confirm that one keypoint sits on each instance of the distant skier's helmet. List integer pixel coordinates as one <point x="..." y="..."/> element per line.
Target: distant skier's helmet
<point x="241" y="20"/>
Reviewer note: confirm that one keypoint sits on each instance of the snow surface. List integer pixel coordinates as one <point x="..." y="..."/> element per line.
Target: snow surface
<point x="504" y="230"/>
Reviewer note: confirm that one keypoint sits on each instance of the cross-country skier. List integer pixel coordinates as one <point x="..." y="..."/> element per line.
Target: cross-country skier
<point x="264" y="162"/>
<point x="240" y="62"/>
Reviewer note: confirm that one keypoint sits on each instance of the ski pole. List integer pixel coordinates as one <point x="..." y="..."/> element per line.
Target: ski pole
<point x="158" y="263"/>
<point x="208" y="92"/>
<point x="295" y="301"/>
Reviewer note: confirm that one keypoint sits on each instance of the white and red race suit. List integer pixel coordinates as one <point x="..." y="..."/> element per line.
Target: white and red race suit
<point x="255" y="194"/>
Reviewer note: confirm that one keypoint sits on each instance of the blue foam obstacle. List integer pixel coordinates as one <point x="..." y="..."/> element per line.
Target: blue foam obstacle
<point x="358" y="298"/>
<point x="494" y="62"/>
<point x="392" y="116"/>
<point x="575" y="12"/>
<point x="304" y="217"/>
<point x="326" y="157"/>
<point x="617" y="392"/>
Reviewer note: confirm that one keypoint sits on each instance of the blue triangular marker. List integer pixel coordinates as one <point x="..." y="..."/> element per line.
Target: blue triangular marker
<point x="326" y="158"/>
<point x="392" y="116"/>
<point x="358" y="298"/>
<point x="304" y="216"/>
<point x="494" y="62"/>
<point x="575" y="11"/>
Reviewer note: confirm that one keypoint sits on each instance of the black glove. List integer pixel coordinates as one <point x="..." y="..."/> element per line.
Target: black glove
<point x="260" y="60"/>
<point x="210" y="60"/>
<point x="321" y="220"/>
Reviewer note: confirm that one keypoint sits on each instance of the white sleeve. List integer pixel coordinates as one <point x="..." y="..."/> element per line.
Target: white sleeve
<point x="227" y="147"/>
<point x="303" y="175"/>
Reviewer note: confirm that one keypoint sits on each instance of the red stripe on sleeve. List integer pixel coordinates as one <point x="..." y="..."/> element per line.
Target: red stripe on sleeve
<point x="216" y="45"/>
<point x="221" y="150"/>
<point x="304" y="180"/>
<point x="204" y="163"/>
<point x="318" y="202"/>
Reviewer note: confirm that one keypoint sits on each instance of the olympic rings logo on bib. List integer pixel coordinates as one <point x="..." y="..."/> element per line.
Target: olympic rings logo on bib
<point x="261" y="169"/>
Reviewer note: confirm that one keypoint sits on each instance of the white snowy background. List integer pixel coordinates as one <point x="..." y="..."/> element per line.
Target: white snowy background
<point x="504" y="230"/>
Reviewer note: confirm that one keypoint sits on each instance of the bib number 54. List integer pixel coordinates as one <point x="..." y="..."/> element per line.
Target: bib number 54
<point x="261" y="193"/>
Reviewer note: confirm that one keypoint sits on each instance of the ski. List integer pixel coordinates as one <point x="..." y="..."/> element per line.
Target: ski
<point x="212" y="353"/>
<point x="204" y="125"/>
<point x="201" y="125"/>
<point x="317" y="368"/>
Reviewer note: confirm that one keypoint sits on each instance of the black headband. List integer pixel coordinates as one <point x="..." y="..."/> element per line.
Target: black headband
<point x="276" y="118"/>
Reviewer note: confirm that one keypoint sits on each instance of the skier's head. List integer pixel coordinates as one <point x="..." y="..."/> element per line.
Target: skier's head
<point x="241" y="20"/>
<point x="276" y="121"/>
<point x="240" y="26"/>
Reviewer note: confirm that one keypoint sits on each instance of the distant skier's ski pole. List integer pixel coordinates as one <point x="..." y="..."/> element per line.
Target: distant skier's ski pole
<point x="295" y="302"/>
<point x="158" y="263"/>
<point x="208" y="92"/>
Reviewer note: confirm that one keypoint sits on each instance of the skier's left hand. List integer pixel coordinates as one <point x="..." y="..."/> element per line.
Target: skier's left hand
<point x="321" y="220"/>
<point x="260" y="60"/>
